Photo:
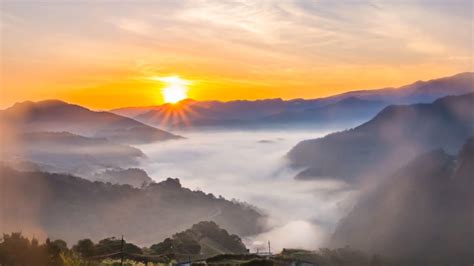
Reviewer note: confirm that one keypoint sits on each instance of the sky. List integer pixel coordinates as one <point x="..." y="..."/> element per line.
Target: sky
<point x="106" y="54"/>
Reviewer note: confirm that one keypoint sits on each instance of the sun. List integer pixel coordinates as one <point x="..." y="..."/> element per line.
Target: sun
<point x="175" y="88"/>
<point x="173" y="94"/>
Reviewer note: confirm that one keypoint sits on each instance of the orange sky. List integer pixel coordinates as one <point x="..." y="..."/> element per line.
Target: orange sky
<point x="102" y="54"/>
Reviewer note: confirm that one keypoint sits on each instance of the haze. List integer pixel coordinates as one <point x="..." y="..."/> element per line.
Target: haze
<point x="251" y="167"/>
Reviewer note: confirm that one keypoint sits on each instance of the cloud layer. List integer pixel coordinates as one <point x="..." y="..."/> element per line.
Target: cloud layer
<point x="240" y="165"/>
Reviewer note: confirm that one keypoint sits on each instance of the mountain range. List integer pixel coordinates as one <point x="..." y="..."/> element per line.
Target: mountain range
<point x="356" y="106"/>
<point x="137" y="125"/>
<point x="392" y="138"/>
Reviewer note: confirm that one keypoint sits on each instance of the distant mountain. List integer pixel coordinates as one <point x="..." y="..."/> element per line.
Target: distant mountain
<point x="254" y="114"/>
<point x="65" y="152"/>
<point x="352" y="106"/>
<point x="190" y="113"/>
<point x="426" y="210"/>
<point x="418" y="92"/>
<point x="393" y="137"/>
<point x="344" y="111"/>
<point x="54" y="115"/>
<point x="72" y="208"/>
<point x="203" y="239"/>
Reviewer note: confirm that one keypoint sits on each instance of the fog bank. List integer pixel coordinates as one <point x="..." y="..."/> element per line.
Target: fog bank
<point x="250" y="166"/>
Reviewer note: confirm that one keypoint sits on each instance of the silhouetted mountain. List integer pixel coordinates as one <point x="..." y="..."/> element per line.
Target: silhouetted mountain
<point x="64" y="152"/>
<point x="73" y="208"/>
<point x="392" y="138"/>
<point x="204" y="238"/>
<point x="425" y="210"/>
<point x="351" y="106"/>
<point x="54" y="115"/>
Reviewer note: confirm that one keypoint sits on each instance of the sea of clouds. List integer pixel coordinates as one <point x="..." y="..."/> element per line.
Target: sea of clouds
<point x="250" y="166"/>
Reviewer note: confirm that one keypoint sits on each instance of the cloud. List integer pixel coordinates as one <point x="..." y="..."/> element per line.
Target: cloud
<point x="321" y="29"/>
<point x="294" y="234"/>
<point x="133" y="26"/>
<point x="240" y="165"/>
<point x="249" y="48"/>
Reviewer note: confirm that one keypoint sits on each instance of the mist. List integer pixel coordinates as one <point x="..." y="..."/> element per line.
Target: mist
<point x="251" y="167"/>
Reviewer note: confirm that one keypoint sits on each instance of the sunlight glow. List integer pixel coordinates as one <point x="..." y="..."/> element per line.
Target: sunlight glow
<point x="175" y="88"/>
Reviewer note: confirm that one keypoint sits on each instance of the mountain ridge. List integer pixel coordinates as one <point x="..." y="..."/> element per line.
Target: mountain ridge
<point x="392" y="137"/>
<point x="247" y="113"/>
<point x="56" y="115"/>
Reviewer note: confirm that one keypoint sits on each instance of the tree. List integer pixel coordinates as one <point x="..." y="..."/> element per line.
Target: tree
<point x="17" y="250"/>
<point x="84" y="247"/>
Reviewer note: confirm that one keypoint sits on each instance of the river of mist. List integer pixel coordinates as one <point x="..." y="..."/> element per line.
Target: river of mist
<point x="251" y="167"/>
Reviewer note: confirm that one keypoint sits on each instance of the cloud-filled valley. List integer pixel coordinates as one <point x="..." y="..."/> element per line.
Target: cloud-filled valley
<point x="251" y="167"/>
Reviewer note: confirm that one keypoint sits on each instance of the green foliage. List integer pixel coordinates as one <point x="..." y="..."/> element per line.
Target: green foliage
<point x="180" y="244"/>
<point x="192" y="241"/>
<point x="112" y="244"/>
<point x="16" y="250"/>
<point x="84" y="247"/>
<point x="165" y="247"/>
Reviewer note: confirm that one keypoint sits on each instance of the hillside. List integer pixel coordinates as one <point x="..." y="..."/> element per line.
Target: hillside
<point x="71" y="208"/>
<point x="392" y="138"/>
<point x="425" y="210"/>
<point x="58" y="116"/>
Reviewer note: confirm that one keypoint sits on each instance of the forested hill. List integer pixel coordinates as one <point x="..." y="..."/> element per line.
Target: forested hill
<point x="72" y="208"/>
<point x="203" y="239"/>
